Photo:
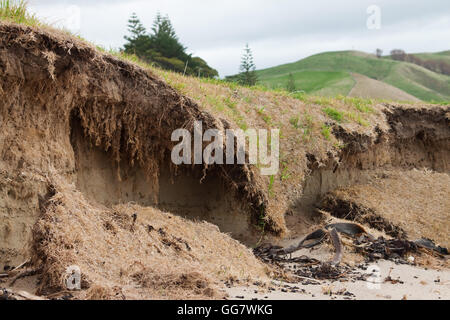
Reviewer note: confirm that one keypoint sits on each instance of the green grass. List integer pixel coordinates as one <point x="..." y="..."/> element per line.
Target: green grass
<point x="343" y="61"/>
<point x="294" y="121"/>
<point x="420" y="82"/>
<point x="328" y="74"/>
<point x="326" y="132"/>
<point x="16" y="11"/>
<point x="361" y="104"/>
<point x="271" y="183"/>
<point x="357" y="118"/>
<point x="334" y="114"/>
<point x="328" y="83"/>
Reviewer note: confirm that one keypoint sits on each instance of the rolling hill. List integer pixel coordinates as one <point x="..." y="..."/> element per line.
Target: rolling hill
<point x="438" y="56"/>
<point x="330" y="74"/>
<point x="366" y="87"/>
<point x="438" y="62"/>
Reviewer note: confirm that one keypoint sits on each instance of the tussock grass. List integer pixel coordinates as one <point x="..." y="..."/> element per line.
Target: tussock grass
<point x="17" y="12"/>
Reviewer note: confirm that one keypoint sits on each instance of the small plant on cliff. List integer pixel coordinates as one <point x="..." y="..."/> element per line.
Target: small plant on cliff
<point x="326" y="132"/>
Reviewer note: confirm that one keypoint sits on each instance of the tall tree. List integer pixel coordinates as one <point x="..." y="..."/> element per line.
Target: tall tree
<point x="165" y="40"/>
<point x="139" y="42"/>
<point x="248" y="75"/>
<point x="379" y="53"/>
<point x="398" y="54"/>
<point x="135" y="27"/>
<point x="163" y="48"/>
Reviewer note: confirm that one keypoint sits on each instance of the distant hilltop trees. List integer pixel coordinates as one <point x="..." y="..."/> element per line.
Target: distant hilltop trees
<point x="436" y="66"/>
<point x="162" y="47"/>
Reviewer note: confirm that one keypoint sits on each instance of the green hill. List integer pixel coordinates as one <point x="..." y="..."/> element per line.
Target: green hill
<point x="330" y="73"/>
<point x="438" y="56"/>
<point x="438" y="62"/>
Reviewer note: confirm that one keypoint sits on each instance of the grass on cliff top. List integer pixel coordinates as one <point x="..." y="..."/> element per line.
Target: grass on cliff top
<point x="17" y="12"/>
<point x="247" y="107"/>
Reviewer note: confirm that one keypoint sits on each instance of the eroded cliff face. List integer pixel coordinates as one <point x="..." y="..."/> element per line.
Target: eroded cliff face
<point x="85" y="147"/>
<point x="105" y="126"/>
<point x="413" y="138"/>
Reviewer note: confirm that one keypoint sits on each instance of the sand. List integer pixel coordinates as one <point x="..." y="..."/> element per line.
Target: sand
<point x="416" y="284"/>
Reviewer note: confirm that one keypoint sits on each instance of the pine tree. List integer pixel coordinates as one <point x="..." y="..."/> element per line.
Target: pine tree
<point x="135" y="27"/>
<point x="165" y="40"/>
<point x="291" y="87"/>
<point x="163" y="48"/>
<point x="248" y="75"/>
<point x="139" y="42"/>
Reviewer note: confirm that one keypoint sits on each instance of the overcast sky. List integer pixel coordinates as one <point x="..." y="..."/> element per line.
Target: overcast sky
<point x="278" y="31"/>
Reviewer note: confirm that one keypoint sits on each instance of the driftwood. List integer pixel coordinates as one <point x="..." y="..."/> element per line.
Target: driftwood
<point x="20" y="266"/>
<point x="350" y="229"/>
<point x="318" y="236"/>
<point x="334" y="235"/>
<point x="23" y="274"/>
<point x="10" y="294"/>
<point x="429" y="244"/>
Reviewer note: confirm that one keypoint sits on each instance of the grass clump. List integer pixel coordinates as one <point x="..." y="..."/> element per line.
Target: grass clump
<point x="326" y="132"/>
<point x="17" y="12"/>
<point x="299" y="95"/>
<point x="357" y="118"/>
<point x="334" y="114"/>
<point x="361" y="104"/>
<point x="265" y="117"/>
<point x="294" y="121"/>
<point x="321" y="101"/>
<point x="305" y="123"/>
<point x="271" y="183"/>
